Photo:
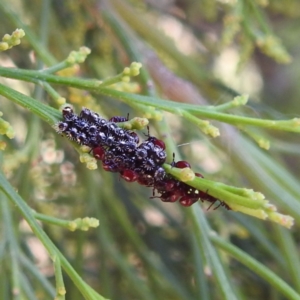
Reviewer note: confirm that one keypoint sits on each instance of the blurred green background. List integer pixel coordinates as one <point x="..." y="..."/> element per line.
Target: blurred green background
<point x="203" y="52"/>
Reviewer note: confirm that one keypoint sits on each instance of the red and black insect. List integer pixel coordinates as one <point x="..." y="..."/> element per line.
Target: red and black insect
<point x="120" y="151"/>
<point x="119" y="119"/>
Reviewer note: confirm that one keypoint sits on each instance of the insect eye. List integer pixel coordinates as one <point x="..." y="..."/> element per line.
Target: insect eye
<point x="62" y="126"/>
<point x="92" y="129"/>
<point x="67" y="110"/>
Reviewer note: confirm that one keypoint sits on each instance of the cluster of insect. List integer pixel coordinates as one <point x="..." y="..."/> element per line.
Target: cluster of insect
<point x="121" y="151"/>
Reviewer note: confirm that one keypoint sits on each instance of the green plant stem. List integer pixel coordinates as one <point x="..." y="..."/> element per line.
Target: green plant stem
<point x="129" y="44"/>
<point x="42" y="281"/>
<point x="258" y="233"/>
<point x="223" y="107"/>
<point x="110" y="81"/>
<point x="258" y="268"/>
<point x="202" y="230"/>
<point x="203" y="125"/>
<point x="191" y="68"/>
<point x="26" y="212"/>
<point x="236" y="102"/>
<point x="12" y="248"/>
<point x="44" y="22"/>
<point x="50" y="90"/>
<point x="176" y="108"/>
<point x="217" y="190"/>
<point x="59" y="281"/>
<point x="27" y="289"/>
<point x="55" y="68"/>
<point x="290" y="251"/>
<point x="258" y="13"/>
<point x="32" y="76"/>
<point x="47" y="113"/>
<point x="202" y="287"/>
<point x="3" y="244"/>
<point x="256" y="163"/>
<point x="105" y="236"/>
<point x="200" y="241"/>
<point x="38" y="46"/>
<point x="170" y="281"/>
<point x="156" y="38"/>
<point x="108" y="245"/>
<point x="292" y="125"/>
<point x="51" y="220"/>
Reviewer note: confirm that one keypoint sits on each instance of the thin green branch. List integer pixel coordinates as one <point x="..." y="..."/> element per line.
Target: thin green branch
<point x="60" y="286"/>
<point x="275" y="281"/>
<point x="237" y="101"/>
<point x="51" y="220"/>
<point x="58" y="99"/>
<point x="203" y="125"/>
<point x="290" y="253"/>
<point x="32" y="76"/>
<point x="40" y="278"/>
<point x="13" y="248"/>
<point x="26" y="212"/>
<point x="3" y="243"/>
<point x="47" y="113"/>
<point x="202" y="229"/>
<point x="129" y="44"/>
<point x="36" y="44"/>
<point x="230" y="195"/>
<point x="292" y="125"/>
<point x="238" y="199"/>
<point x="150" y="262"/>
<point x="201" y="280"/>
<point x="77" y="224"/>
<point x="44" y="22"/>
<point x="258" y="13"/>
<point x="27" y="288"/>
<point x="261" y="141"/>
<point x="254" y="205"/>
